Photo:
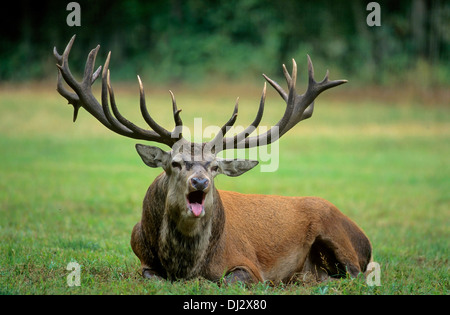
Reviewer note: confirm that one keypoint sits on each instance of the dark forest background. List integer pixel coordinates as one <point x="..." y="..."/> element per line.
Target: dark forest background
<point x="197" y="41"/>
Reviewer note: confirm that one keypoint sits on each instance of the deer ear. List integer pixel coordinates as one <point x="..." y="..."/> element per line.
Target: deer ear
<point x="235" y="168"/>
<point x="152" y="156"/>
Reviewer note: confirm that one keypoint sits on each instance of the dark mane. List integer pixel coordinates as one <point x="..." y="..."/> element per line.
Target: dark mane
<point x="178" y="256"/>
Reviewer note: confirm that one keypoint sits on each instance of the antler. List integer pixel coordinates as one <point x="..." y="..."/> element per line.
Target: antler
<point x="298" y="108"/>
<point x="83" y="97"/>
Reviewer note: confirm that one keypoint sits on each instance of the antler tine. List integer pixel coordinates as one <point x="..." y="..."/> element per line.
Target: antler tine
<point x="116" y="112"/>
<point x="290" y="105"/>
<point x="106" y="92"/>
<point x="63" y="64"/>
<point x="176" y="111"/>
<point x="219" y="138"/>
<point x="96" y="74"/>
<point x="177" y="132"/>
<point x="287" y="75"/>
<point x="165" y="134"/>
<point x="247" y="131"/>
<point x="72" y="98"/>
<point x="288" y="78"/>
<point x="90" y="77"/>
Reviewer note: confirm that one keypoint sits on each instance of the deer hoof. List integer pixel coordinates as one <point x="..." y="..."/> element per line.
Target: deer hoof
<point x="149" y="274"/>
<point x="238" y="275"/>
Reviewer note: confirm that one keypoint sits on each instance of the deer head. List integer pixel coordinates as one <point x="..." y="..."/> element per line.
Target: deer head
<point x="191" y="171"/>
<point x="190" y="167"/>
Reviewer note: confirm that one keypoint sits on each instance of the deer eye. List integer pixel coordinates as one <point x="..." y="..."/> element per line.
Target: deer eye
<point x="176" y="165"/>
<point x="214" y="168"/>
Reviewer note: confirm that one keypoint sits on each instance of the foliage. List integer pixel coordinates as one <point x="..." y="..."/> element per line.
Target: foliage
<point x="199" y="40"/>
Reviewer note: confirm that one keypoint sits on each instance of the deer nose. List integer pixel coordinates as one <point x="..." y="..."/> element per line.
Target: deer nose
<point x="199" y="183"/>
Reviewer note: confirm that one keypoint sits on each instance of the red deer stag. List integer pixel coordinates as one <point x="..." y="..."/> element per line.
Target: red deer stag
<point x="189" y="228"/>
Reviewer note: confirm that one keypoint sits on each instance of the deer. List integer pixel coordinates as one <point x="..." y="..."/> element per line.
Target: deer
<point x="189" y="228"/>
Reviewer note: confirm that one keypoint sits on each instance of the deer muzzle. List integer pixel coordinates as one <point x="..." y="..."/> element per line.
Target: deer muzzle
<point x="198" y="187"/>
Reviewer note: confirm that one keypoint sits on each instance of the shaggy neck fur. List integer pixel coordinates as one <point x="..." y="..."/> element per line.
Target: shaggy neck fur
<point x="186" y="255"/>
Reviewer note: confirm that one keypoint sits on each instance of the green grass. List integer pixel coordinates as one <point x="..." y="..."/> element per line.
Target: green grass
<point x="73" y="192"/>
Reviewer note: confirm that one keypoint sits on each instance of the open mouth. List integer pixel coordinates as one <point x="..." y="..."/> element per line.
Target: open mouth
<point x="195" y="201"/>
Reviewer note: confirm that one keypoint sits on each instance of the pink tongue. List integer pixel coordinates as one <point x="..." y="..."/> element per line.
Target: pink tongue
<point x="196" y="208"/>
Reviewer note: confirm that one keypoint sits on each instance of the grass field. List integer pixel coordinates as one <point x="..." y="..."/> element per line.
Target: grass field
<point x="73" y="192"/>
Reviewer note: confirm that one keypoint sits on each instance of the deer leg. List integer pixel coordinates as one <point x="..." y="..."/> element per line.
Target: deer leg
<point x="340" y="250"/>
<point x="140" y="250"/>
<point x="241" y="274"/>
<point x="136" y="241"/>
<point x="150" y="274"/>
<point x="350" y="246"/>
<point x="331" y="258"/>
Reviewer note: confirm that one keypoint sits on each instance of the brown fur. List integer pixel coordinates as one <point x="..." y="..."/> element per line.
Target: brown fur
<point x="189" y="229"/>
<point x="262" y="237"/>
